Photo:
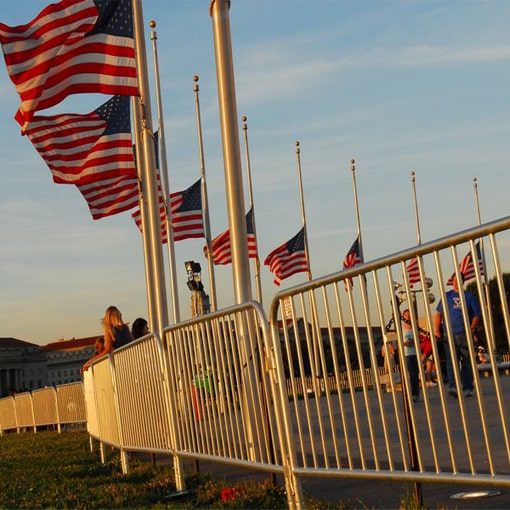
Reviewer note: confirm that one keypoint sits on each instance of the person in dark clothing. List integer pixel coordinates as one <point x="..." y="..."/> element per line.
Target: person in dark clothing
<point x="140" y="328"/>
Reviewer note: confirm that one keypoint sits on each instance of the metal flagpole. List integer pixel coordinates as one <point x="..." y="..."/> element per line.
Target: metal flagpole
<point x="205" y="203"/>
<point x="231" y="153"/>
<point x="478" y="217"/>
<point x="418" y="235"/>
<point x="143" y="209"/>
<point x="152" y="228"/>
<point x="414" y="305"/>
<point x="360" y="244"/>
<point x="313" y="308"/>
<point x="490" y="328"/>
<point x="256" y="262"/>
<point x="303" y="218"/>
<point x="165" y="186"/>
<point x="147" y="165"/>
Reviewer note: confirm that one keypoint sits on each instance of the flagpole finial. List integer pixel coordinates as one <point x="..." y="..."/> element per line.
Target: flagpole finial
<point x="297" y="146"/>
<point x="475" y="182"/>
<point x="413" y="174"/>
<point x="195" y="78"/>
<point x="244" y="119"/>
<point x="154" y="36"/>
<point x="353" y="166"/>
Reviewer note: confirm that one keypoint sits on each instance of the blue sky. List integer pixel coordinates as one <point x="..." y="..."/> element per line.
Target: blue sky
<point x="396" y="85"/>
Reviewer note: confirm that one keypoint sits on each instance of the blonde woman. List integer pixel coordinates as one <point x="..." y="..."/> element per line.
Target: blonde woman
<point x="116" y="333"/>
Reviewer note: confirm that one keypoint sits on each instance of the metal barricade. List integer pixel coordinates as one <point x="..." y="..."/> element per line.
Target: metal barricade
<point x="44" y="402"/>
<point x="218" y="381"/>
<point x="332" y="329"/>
<point x="70" y="404"/>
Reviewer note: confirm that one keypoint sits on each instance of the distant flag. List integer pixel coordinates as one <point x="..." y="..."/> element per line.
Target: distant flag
<point x="467" y="267"/>
<point x="186" y="210"/>
<point x="413" y="271"/>
<point x="221" y="247"/>
<point x="70" y="47"/>
<point x="289" y="258"/>
<point x="85" y="148"/>
<point x="352" y="259"/>
<point x="110" y="196"/>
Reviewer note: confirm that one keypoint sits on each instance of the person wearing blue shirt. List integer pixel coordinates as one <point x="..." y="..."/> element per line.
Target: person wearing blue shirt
<point x="461" y="346"/>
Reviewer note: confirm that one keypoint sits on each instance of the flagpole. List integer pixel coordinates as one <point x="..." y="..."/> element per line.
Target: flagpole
<point x="137" y="128"/>
<point x="358" y="224"/>
<point x="478" y="217"/>
<point x="147" y="164"/>
<point x="256" y="262"/>
<point x="205" y="202"/>
<point x="303" y="218"/>
<point x="165" y="185"/>
<point x="418" y="234"/>
<point x="475" y="261"/>
<point x="219" y="11"/>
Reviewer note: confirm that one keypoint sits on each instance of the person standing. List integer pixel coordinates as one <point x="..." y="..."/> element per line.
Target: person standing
<point x="116" y="333"/>
<point x="461" y="347"/>
<point x="140" y="328"/>
<point x="410" y="354"/>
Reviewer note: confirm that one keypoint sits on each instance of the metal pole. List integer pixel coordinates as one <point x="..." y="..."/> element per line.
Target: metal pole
<point x="149" y="178"/>
<point x="256" y="262"/>
<point x="490" y="327"/>
<point x="205" y="203"/>
<point x="356" y="209"/>
<point x="303" y="217"/>
<point x="151" y="299"/>
<point x="165" y="182"/>
<point x="231" y="153"/>
<point x="418" y="235"/>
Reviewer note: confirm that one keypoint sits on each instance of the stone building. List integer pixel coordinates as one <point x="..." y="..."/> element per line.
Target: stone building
<point x="22" y="366"/>
<point x="65" y="358"/>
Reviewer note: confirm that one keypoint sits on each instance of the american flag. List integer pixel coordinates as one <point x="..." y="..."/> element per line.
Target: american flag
<point x="110" y="196"/>
<point x="413" y="271"/>
<point x="70" y="47"/>
<point x="353" y="258"/>
<point x="467" y="267"/>
<point x="289" y="258"/>
<point x="186" y="210"/>
<point x="221" y="247"/>
<point x="85" y="148"/>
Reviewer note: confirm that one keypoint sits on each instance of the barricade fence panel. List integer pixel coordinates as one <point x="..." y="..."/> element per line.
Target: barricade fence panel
<point x="143" y="413"/>
<point x="44" y="402"/>
<point x="348" y="386"/>
<point x="71" y="404"/>
<point x="219" y="387"/>
<point x="7" y="414"/>
<point x="103" y="401"/>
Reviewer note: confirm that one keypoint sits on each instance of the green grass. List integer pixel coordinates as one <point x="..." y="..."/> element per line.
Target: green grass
<point x="50" y="470"/>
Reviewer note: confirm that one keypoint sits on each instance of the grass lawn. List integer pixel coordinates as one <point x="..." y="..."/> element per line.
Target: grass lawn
<point x="51" y="470"/>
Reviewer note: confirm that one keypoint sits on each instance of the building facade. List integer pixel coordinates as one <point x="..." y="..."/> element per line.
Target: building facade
<point x="25" y="366"/>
